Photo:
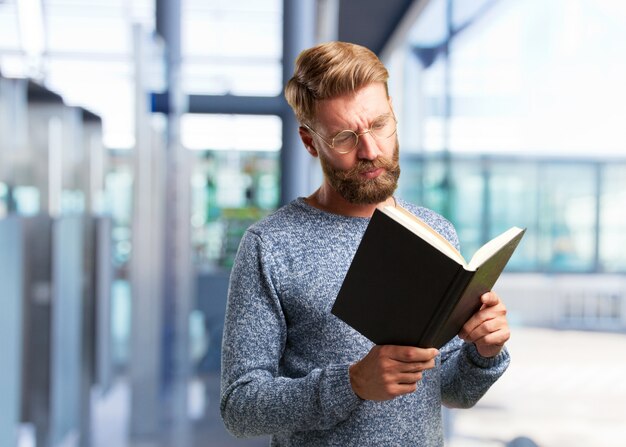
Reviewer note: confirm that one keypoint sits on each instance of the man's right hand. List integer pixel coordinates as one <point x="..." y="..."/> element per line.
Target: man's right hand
<point x="389" y="371"/>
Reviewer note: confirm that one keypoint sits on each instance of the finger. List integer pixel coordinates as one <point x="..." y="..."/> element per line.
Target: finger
<point x="489" y="299"/>
<point x="410" y="354"/>
<point x="487" y="314"/>
<point x="485" y="328"/>
<point x="409" y="378"/>
<point x="497" y="339"/>
<point x="480" y="317"/>
<point x="471" y="325"/>
<point x="414" y="367"/>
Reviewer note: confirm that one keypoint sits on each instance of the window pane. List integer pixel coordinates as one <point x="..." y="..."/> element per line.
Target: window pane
<point x="567" y="210"/>
<point x="230" y="190"/>
<point x="513" y="194"/>
<point x="518" y="90"/>
<point x="433" y="108"/>
<point x="232" y="47"/>
<point x="613" y="219"/>
<point x="466" y="207"/>
<point x="249" y="77"/>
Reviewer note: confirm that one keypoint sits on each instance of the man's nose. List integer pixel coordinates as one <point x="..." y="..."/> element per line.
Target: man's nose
<point x="368" y="147"/>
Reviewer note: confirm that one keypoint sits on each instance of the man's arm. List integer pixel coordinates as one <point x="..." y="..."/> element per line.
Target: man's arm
<point x="472" y="362"/>
<point x="255" y="398"/>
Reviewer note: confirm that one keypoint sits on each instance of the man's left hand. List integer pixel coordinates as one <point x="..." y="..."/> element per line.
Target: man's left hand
<point x="488" y="328"/>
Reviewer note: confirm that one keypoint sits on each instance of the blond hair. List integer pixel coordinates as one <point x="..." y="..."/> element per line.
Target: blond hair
<point x="329" y="70"/>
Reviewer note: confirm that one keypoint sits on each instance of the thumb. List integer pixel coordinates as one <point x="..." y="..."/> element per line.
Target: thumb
<point x="489" y="299"/>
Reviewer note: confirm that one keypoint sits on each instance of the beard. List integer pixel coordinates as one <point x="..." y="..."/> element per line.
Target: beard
<point x="354" y="188"/>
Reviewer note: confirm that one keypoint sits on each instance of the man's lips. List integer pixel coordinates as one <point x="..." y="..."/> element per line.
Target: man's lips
<point x="372" y="173"/>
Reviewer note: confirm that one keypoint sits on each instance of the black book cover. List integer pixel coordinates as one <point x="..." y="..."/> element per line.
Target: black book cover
<point x="401" y="290"/>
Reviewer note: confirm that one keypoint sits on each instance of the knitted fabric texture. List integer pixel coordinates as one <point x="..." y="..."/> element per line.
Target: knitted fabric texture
<point x="285" y="357"/>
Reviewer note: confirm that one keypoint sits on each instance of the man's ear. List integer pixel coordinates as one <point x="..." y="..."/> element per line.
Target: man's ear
<point x="307" y="139"/>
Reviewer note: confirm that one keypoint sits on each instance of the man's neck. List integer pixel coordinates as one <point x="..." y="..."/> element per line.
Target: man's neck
<point x="327" y="199"/>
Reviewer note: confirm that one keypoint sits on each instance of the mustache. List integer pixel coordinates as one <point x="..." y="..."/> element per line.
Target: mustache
<point x="363" y="166"/>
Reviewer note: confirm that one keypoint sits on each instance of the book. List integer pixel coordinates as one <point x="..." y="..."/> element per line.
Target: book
<point x="407" y="285"/>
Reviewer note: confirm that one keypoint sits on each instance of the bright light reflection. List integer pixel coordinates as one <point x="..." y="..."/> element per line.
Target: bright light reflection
<point x="32" y="28"/>
<point x="231" y="132"/>
<point x="535" y="78"/>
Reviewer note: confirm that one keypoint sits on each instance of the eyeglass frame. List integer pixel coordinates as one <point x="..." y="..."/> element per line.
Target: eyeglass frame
<point x="331" y="144"/>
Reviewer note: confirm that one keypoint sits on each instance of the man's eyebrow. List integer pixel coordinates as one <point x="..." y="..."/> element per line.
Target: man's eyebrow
<point x="334" y="131"/>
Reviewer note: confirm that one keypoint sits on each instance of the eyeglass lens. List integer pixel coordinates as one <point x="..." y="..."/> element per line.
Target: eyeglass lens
<point x="382" y="127"/>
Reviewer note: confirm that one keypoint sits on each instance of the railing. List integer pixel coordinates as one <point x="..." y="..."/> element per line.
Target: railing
<point x="582" y="302"/>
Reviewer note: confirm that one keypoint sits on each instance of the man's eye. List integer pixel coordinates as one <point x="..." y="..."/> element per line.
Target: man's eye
<point x="344" y="137"/>
<point x="380" y="124"/>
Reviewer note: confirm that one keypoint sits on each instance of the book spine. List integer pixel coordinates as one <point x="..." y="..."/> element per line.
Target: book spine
<point x="446" y="307"/>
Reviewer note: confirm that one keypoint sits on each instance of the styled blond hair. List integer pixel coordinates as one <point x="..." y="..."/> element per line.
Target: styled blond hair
<point x="329" y="70"/>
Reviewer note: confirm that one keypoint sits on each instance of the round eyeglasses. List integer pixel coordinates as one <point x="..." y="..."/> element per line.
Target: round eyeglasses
<point x="382" y="128"/>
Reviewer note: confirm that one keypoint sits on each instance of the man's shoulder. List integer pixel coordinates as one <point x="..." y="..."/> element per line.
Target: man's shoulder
<point x="285" y="218"/>
<point x="436" y="221"/>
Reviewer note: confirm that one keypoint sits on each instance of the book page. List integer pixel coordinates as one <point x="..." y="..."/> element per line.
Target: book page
<point x="492" y="247"/>
<point x="425" y="231"/>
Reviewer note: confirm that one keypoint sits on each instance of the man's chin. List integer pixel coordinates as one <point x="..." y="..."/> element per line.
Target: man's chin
<point x="368" y="201"/>
<point x="366" y="197"/>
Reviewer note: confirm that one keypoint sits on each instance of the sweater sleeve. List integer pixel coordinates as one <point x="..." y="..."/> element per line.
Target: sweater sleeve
<point x="255" y="398"/>
<point x="466" y="375"/>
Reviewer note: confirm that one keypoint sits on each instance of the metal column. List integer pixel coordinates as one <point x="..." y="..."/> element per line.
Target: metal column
<point x="298" y="34"/>
<point x="178" y="269"/>
<point x="146" y="262"/>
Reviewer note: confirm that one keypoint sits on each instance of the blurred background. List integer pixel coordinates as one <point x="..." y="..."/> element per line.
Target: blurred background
<point x="140" y="138"/>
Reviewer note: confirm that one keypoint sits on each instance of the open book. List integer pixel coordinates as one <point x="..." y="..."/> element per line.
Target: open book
<point x="407" y="285"/>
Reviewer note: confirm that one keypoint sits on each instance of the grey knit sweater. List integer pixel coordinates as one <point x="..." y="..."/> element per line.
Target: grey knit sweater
<point x="285" y="357"/>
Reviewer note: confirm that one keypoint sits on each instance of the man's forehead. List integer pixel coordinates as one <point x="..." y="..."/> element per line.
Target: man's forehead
<point x="357" y="108"/>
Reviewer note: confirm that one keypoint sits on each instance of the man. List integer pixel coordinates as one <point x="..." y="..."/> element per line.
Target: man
<point x="289" y="367"/>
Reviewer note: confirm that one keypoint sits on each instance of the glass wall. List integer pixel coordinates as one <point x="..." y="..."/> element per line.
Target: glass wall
<point x="510" y="115"/>
<point x="515" y="77"/>
<point x="572" y="209"/>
